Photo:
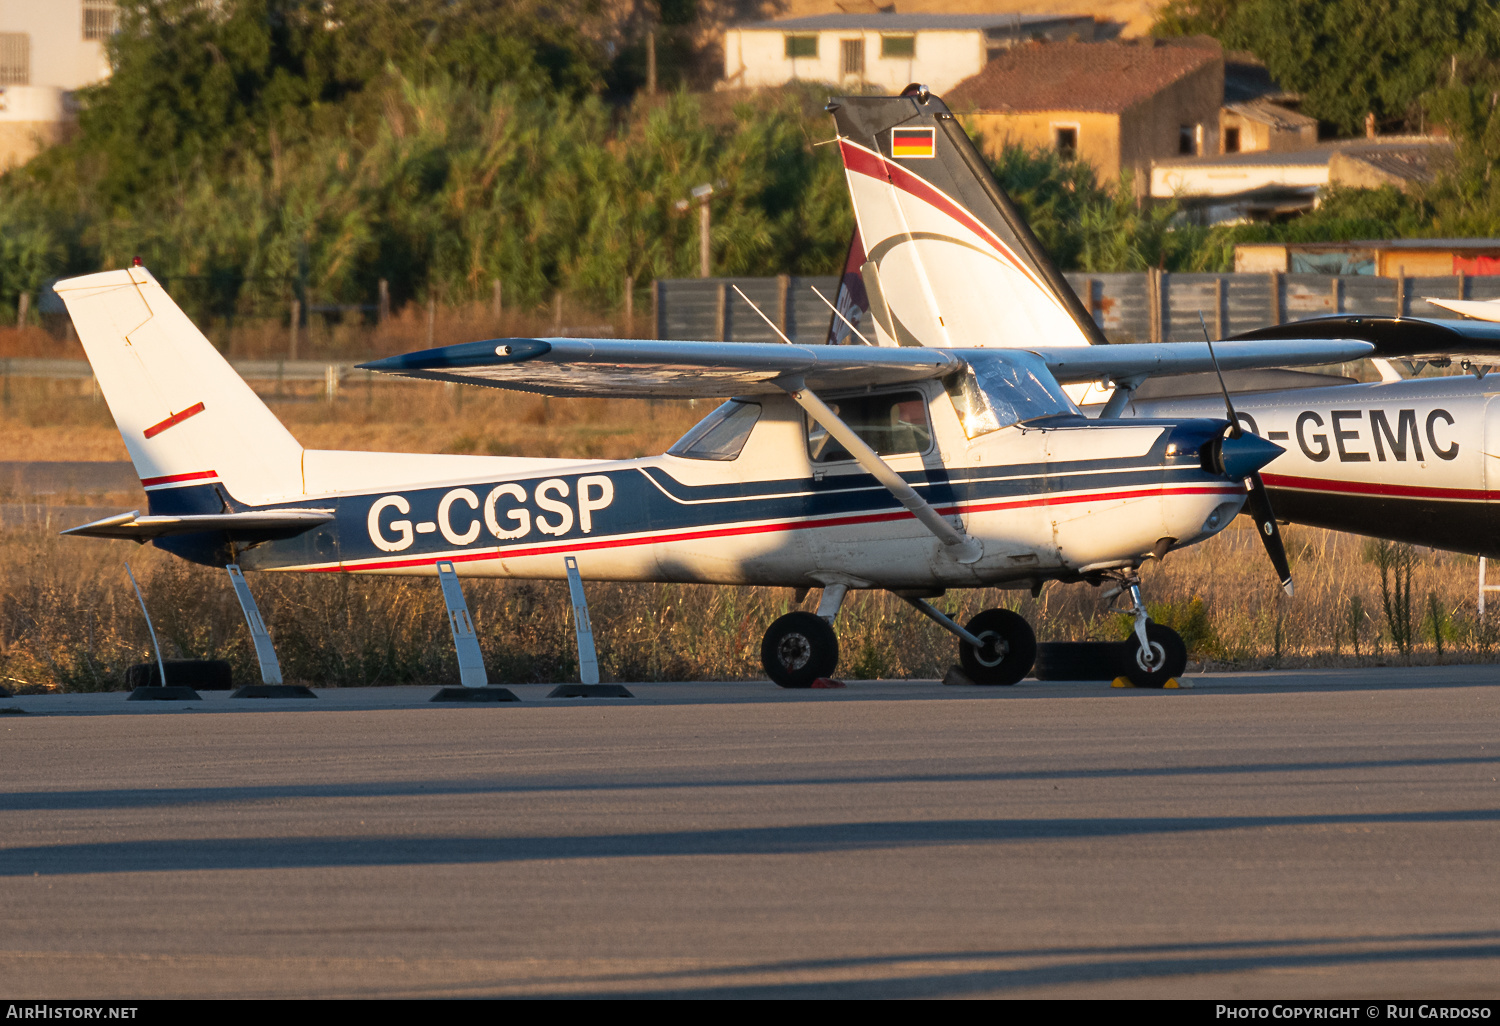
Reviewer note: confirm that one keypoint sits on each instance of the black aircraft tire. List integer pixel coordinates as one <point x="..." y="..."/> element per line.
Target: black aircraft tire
<point x="1165" y="643"/>
<point x="198" y="674"/>
<point x="1079" y="660"/>
<point x="798" y="649"/>
<point x="989" y="666"/>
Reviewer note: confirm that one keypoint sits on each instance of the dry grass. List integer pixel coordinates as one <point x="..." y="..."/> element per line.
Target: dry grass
<point x="61" y="420"/>
<point x="69" y="620"/>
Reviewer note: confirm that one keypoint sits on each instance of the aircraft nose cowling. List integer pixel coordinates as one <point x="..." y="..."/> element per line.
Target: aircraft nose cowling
<point x="1240" y="457"/>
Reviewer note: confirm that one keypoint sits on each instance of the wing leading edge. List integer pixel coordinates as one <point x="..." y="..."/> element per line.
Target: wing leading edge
<point x="645" y="369"/>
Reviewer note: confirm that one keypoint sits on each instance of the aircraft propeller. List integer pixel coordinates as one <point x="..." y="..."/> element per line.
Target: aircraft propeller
<point x="1241" y="455"/>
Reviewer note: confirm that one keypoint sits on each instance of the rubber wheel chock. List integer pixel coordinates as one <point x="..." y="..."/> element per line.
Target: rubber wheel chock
<point x="273" y="691"/>
<point x="590" y="691"/>
<point x="170" y="693"/>
<point x="484" y="694"/>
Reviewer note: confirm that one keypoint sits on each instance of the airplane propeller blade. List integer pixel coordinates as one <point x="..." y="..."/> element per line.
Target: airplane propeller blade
<point x="1259" y="500"/>
<point x="1265" y="523"/>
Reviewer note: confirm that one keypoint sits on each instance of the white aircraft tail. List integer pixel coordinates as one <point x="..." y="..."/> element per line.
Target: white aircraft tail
<point x="948" y="260"/>
<point x="186" y="417"/>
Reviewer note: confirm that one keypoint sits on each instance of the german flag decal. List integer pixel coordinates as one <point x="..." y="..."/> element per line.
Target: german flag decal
<point x="912" y="142"/>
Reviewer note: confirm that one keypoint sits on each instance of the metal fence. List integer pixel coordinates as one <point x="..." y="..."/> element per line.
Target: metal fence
<point x="707" y="309"/>
<point x="1141" y="306"/>
<point x="273" y="373"/>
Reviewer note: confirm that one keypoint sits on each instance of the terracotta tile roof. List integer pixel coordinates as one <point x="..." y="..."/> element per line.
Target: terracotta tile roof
<point x="1106" y="78"/>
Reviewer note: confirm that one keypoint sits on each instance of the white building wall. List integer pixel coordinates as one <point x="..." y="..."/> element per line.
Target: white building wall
<point x="60" y="57"/>
<point x="944" y="58"/>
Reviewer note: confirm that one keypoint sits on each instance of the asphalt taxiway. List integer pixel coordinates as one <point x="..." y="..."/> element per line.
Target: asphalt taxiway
<point x="1294" y="834"/>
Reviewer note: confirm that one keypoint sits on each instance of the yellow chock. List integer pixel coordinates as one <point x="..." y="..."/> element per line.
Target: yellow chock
<point x="1173" y="683"/>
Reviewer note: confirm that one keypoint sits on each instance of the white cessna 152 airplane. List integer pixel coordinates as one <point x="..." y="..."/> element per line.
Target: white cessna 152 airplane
<point x="912" y="470"/>
<point x="940" y="253"/>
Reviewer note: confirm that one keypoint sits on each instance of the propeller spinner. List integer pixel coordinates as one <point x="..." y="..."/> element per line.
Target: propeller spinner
<point x="1241" y="456"/>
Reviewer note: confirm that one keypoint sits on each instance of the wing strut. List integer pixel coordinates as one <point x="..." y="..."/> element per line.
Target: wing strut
<point x="963" y="547"/>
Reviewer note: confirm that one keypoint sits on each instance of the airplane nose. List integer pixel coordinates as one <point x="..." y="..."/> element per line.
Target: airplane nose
<point x="1240" y="457"/>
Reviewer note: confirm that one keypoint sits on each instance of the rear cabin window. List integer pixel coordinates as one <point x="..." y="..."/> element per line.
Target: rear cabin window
<point x="721" y="435"/>
<point x="890" y="424"/>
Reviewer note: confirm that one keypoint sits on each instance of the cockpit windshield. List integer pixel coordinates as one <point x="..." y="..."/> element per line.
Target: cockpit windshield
<point x="1004" y="387"/>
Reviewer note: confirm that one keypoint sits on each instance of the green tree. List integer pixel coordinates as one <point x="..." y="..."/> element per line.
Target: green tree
<point x="1349" y="58"/>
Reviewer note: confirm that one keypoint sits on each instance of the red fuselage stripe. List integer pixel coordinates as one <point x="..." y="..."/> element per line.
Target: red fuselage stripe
<point x="728" y="532"/>
<point x="1317" y="484"/>
<point x="173" y="420"/>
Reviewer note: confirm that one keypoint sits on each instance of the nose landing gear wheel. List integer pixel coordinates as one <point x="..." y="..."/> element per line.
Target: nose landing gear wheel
<point x="798" y="649"/>
<point x="1167" y="657"/>
<point x="1009" y="648"/>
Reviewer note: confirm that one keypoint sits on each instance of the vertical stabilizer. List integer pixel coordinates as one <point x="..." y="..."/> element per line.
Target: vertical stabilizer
<point x="186" y="417"/>
<point x="948" y="259"/>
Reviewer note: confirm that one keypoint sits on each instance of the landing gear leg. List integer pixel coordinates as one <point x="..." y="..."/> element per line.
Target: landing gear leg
<point x="1154" y="654"/>
<point x="997" y="646"/>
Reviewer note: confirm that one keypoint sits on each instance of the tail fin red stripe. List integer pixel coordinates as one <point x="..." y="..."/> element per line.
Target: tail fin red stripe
<point x="173" y="420"/>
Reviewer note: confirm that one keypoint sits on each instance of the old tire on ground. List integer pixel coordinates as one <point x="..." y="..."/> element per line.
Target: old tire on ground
<point x="1079" y="660"/>
<point x="198" y="674"/>
<point x="798" y="649"/>
<point x="1009" y="652"/>
<point x="1169" y="657"/>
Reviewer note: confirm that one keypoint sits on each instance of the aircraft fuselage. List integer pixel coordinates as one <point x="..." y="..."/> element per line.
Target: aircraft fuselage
<point x="1054" y="501"/>
<point x="1410" y="461"/>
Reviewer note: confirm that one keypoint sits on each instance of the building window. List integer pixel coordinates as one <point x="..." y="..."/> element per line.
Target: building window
<point x="1231" y="140"/>
<point x="801" y="46"/>
<point x="899" y="47"/>
<point x="15" y="58"/>
<point x="1188" y="139"/>
<point x="100" y="19"/>
<point x="1065" y="139"/>
<point x="853" y="54"/>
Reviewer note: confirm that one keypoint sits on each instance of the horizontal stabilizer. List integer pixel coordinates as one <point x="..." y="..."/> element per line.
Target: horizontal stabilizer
<point x="1479" y="309"/>
<point x="250" y="525"/>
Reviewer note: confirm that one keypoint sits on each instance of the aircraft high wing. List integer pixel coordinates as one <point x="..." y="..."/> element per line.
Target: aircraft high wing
<point x="645" y="369"/>
<point x="910" y="470"/>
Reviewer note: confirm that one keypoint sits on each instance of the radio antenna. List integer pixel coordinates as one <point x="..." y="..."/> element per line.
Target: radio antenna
<point x="762" y="315"/>
<point x="840" y="316"/>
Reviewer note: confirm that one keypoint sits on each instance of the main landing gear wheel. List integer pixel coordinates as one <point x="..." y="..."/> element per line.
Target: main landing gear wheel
<point x="1008" y="652"/>
<point x="1166" y="659"/>
<point x="798" y="649"/>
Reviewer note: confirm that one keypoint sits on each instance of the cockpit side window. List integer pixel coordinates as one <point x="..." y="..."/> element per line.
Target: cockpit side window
<point x="999" y="389"/>
<point x="721" y="435"/>
<point x="890" y="424"/>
